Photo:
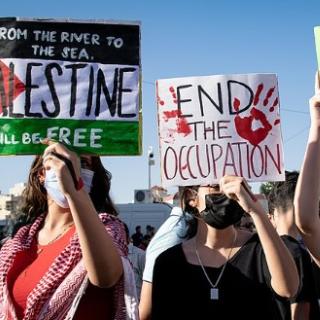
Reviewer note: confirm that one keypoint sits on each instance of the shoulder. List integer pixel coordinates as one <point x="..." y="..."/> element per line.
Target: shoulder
<point x="169" y="263"/>
<point x="115" y="228"/>
<point x="172" y="254"/>
<point x="173" y="227"/>
<point x="176" y="211"/>
<point x="294" y="246"/>
<point x="249" y="247"/>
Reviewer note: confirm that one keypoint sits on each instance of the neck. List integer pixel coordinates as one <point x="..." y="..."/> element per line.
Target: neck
<point x="57" y="217"/>
<point x="215" y="238"/>
<point x="285" y="223"/>
<point x="292" y="230"/>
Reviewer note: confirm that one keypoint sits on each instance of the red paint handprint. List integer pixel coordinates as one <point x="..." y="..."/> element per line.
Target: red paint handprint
<point x="244" y="125"/>
<point x="179" y="126"/>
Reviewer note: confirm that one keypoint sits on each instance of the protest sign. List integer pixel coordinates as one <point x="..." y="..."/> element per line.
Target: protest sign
<point x="218" y="125"/>
<point x="317" y="39"/>
<point x="74" y="81"/>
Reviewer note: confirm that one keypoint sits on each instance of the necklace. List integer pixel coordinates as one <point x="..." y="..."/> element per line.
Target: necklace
<point x="63" y="231"/>
<point x="214" y="291"/>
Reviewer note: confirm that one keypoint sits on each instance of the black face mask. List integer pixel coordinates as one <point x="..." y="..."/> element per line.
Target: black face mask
<point x="221" y="211"/>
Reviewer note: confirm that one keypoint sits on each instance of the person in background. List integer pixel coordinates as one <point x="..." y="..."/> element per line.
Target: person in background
<point x="150" y="231"/>
<point x="137" y="258"/>
<point x="145" y="242"/>
<point x="55" y="267"/>
<point x="306" y="200"/>
<point x="221" y="272"/>
<point x="137" y="237"/>
<point x="170" y="233"/>
<point x="281" y="212"/>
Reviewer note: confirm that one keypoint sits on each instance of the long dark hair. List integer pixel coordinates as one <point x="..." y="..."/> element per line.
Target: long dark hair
<point x="188" y="194"/>
<point x="35" y="195"/>
<point x="100" y="191"/>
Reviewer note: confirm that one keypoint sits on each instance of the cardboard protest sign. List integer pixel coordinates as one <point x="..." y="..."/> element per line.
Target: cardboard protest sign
<point x="317" y="39"/>
<point x="217" y="125"/>
<point x="77" y="82"/>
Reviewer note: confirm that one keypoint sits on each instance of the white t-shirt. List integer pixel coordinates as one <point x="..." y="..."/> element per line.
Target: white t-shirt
<point x="170" y="233"/>
<point x="137" y="257"/>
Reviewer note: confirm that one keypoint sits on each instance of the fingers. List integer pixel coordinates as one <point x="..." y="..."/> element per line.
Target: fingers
<point x="317" y="83"/>
<point x="57" y="147"/>
<point x="232" y="186"/>
<point x="61" y="156"/>
<point x="48" y="141"/>
<point x="314" y="102"/>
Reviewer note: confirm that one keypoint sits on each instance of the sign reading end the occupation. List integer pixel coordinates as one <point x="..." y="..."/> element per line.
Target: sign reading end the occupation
<point x="219" y="125"/>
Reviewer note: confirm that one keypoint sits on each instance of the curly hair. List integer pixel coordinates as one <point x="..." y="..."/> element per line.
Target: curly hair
<point x="282" y="193"/>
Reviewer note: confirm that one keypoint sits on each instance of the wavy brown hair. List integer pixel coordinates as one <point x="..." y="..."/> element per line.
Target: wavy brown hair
<point x="35" y="195"/>
<point x="100" y="190"/>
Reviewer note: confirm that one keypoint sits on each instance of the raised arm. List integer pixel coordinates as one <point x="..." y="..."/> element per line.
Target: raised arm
<point x="307" y="193"/>
<point x="282" y="268"/>
<point x="101" y="258"/>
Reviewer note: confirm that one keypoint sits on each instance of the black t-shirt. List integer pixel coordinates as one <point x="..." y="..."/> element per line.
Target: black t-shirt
<point x="180" y="290"/>
<point x="307" y="290"/>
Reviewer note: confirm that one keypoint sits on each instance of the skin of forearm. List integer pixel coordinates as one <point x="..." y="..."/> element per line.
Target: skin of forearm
<point x="101" y="258"/>
<point x="308" y="186"/>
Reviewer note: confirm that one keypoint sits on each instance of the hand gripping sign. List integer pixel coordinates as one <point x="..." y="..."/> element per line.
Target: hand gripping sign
<point x="217" y="125"/>
<point x="73" y="81"/>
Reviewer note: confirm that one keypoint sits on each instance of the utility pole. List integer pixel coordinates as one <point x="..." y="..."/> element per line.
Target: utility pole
<point x="150" y="163"/>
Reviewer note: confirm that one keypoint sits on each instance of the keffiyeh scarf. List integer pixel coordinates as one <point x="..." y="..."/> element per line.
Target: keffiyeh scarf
<point x="54" y="296"/>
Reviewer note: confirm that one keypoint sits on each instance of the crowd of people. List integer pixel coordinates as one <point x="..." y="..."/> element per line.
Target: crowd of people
<point x="70" y="257"/>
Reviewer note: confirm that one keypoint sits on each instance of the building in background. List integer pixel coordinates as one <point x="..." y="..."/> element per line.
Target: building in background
<point x="10" y="205"/>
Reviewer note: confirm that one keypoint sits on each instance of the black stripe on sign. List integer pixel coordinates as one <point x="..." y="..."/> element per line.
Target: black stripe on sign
<point x="70" y="41"/>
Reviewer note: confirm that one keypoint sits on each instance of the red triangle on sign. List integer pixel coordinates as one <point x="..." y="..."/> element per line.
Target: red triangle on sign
<point x="18" y="85"/>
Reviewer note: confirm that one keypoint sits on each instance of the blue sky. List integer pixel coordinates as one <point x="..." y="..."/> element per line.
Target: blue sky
<point x="197" y="38"/>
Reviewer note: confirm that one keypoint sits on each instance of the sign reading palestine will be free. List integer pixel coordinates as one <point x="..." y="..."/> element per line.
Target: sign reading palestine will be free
<point x="77" y="82"/>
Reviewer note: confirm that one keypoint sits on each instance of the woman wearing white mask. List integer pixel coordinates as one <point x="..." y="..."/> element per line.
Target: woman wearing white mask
<point x="68" y="261"/>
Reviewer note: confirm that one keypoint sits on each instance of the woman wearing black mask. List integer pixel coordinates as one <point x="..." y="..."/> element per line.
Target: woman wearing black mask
<point x="222" y="272"/>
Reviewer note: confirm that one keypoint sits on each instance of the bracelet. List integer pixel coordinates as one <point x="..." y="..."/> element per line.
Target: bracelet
<point x="80" y="184"/>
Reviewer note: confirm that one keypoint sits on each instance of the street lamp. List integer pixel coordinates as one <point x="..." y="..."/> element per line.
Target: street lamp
<point x="150" y="163"/>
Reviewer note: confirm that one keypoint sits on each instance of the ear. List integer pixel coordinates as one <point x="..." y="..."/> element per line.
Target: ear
<point x="193" y="203"/>
<point x="272" y="219"/>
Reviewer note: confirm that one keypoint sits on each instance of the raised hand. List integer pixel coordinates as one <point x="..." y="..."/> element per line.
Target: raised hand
<point x="315" y="102"/>
<point x="237" y="188"/>
<point x="64" y="162"/>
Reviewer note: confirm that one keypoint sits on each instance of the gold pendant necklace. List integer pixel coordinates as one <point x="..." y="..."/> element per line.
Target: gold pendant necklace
<point x="40" y="247"/>
<point x="214" y="291"/>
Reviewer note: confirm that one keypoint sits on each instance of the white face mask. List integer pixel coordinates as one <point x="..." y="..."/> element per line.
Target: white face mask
<point x="52" y="186"/>
<point x="87" y="176"/>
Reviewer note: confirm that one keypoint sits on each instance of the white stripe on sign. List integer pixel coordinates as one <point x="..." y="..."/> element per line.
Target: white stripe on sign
<point x="57" y="89"/>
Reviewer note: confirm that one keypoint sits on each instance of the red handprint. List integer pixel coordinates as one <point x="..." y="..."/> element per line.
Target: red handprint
<point x="244" y="125"/>
<point x="180" y="125"/>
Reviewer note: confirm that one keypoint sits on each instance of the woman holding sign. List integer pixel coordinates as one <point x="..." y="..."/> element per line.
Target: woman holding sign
<point x="308" y="186"/>
<point x="68" y="262"/>
<point x="222" y="272"/>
